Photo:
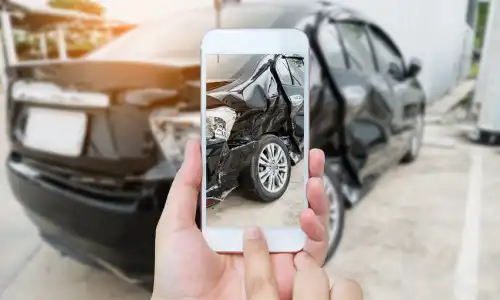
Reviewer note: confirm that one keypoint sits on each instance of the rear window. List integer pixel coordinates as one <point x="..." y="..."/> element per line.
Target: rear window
<point x="180" y="36"/>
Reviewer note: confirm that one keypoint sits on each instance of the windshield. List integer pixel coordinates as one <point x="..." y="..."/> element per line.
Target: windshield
<point x="180" y="36"/>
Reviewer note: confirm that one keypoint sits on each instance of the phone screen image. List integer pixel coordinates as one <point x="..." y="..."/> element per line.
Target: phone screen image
<point x="254" y="140"/>
<point x="255" y="136"/>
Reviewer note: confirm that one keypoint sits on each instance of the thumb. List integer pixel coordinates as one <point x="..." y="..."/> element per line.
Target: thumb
<point x="180" y="208"/>
<point x="259" y="275"/>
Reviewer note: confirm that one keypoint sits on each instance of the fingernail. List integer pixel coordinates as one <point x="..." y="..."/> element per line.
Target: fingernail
<point x="253" y="233"/>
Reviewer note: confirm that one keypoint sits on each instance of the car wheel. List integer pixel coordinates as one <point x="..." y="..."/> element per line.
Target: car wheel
<point x="486" y="138"/>
<point x="269" y="172"/>
<point x="337" y="211"/>
<point x="415" y="141"/>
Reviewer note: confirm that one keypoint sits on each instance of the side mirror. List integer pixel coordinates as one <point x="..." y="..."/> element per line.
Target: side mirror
<point x="414" y="68"/>
<point x="396" y="72"/>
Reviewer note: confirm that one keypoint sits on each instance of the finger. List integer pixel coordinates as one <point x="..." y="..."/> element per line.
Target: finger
<point x="180" y="207"/>
<point x="317" y="199"/>
<point x="311" y="281"/>
<point x="311" y="226"/>
<point x="346" y="290"/>
<point x="314" y="221"/>
<point x="316" y="163"/>
<point x="259" y="277"/>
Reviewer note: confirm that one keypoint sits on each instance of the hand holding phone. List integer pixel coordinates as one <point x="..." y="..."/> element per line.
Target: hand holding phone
<point x="185" y="265"/>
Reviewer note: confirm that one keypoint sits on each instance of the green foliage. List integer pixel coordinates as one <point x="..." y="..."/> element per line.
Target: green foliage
<point x="86" y="6"/>
<point x="79" y="39"/>
<point x="474" y="71"/>
<point x="482" y="20"/>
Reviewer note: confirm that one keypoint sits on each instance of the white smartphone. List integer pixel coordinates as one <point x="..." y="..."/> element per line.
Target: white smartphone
<point x="255" y="136"/>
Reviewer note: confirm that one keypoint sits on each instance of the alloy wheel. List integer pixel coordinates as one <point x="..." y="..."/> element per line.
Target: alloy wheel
<point x="273" y="168"/>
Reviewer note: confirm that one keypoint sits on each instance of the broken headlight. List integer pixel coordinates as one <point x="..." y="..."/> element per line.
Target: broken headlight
<point x="219" y="123"/>
<point x="172" y="130"/>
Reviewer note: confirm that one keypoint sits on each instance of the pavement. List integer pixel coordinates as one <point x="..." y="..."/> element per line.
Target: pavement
<point x="428" y="230"/>
<point x="240" y="210"/>
<point x="452" y="99"/>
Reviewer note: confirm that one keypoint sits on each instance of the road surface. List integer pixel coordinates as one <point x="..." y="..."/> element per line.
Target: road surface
<point x="239" y="211"/>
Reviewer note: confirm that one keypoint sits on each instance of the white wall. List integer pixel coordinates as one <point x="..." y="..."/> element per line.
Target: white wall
<point x="433" y="30"/>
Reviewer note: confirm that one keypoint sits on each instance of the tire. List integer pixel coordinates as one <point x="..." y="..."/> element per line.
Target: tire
<point x="486" y="138"/>
<point x="250" y="179"/>
<point x="337" y="211"/>
<point x="415" y="141"/>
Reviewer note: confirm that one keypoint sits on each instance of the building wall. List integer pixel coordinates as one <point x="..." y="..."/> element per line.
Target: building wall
<point x="435" y="31"/>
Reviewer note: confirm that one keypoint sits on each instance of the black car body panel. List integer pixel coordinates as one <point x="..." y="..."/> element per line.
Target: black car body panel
<point x="264" y="106"/>
<point x="91" y="225"/>
<point x="106" y="202"/>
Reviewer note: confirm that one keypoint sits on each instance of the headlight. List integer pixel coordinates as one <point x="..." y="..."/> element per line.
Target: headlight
<point x="172" y="130"/>
<point x="220" y="122"/>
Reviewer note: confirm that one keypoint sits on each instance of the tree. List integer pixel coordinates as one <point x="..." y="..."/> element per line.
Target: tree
<point x="86" y="6"/>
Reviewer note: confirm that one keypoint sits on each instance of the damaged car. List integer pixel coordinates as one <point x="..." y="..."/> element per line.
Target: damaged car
<point x="96" y="142"/>
<point x="255" y="125"/>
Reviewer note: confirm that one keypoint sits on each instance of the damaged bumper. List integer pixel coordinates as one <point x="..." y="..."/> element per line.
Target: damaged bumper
<point x="97" y="227"/>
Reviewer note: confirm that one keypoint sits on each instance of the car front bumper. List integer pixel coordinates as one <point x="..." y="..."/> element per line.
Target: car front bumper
<point x="116" y="236"/>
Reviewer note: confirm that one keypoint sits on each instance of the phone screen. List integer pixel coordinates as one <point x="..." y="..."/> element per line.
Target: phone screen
<point x="255" y="139"/>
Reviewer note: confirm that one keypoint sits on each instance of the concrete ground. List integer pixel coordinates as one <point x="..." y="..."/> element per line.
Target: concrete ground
<point x="428" y="230"/>
<point x="240" y="211"/>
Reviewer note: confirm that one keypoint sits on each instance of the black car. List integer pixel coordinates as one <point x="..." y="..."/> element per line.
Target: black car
<point x="96" y="183"/>
<point x="254" y="124"/>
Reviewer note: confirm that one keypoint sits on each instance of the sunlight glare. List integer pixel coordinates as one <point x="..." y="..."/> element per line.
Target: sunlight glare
<point x="140" y="11"/>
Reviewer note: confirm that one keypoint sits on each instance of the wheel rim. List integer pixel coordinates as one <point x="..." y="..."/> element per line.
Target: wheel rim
<point x="334" y="217"/>
<point x="416" y="140"/>
<point x="273" y="168"/>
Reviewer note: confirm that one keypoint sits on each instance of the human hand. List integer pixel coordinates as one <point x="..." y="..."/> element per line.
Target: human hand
<point x="311" y="281"/>
<point x="186" y="267"/>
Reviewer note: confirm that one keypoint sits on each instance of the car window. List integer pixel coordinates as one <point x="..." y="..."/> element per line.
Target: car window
<point x="330" y="44"/>
<point x="358" y="46"/>
<point x="283" y="71"/>
<point x="385" y="53"/>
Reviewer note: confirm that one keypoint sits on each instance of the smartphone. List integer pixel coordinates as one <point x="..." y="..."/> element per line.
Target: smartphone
<point x="255" y="136"/>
